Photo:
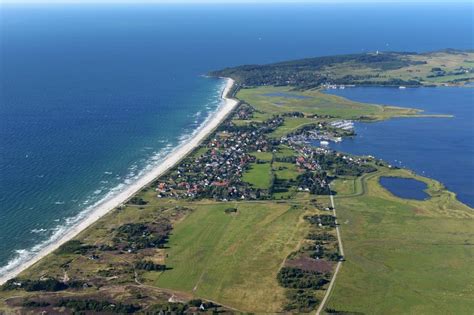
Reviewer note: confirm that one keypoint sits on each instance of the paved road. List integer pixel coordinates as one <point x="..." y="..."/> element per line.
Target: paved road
<point x="338" y="266"/>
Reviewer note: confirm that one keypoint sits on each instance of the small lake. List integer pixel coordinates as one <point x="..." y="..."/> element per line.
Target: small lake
<point x="407" y="188"/>
<point x="439" y="148"/>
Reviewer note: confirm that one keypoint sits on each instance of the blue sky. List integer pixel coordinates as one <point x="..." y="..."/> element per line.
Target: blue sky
<point x="233" y="1"/>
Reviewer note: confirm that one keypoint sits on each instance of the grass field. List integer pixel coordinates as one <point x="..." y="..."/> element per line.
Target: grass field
<point x="291" y="124"/>
<point x="259" y="175"/>
<point x="284" y="152"/>
<point x="403" y="256"/>
<point x="233" y="258"/>
<point x="287" y="171"/>
<point x="448" y="62"/>
<point x="262" y="156"/>
<point x="312" y="102"/>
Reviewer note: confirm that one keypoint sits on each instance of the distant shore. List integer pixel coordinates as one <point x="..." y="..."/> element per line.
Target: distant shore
<point x="108" y="205"/>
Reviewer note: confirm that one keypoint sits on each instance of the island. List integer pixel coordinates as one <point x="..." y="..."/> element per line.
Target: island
<point x="262" y="216"/>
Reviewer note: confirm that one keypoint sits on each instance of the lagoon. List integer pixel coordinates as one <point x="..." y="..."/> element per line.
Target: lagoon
<point x="440" y="148"/>
<point x="407" y="188"/>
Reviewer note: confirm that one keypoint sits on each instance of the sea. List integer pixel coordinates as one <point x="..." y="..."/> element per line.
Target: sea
<point x="92" y="96"/>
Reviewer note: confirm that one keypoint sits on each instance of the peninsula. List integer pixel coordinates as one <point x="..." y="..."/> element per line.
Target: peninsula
<point x="256" y="213"/>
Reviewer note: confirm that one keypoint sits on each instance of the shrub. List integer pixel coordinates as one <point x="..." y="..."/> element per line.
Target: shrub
<point x="97" y="306"/>
<point x="301" y="300"/>
<point x="174" y="308"/>
<point x="296" y="278"/>
<point x="149" y="266"/>
<point x="74" y="247"/>
<point x="230" y="210"/>
<point x="138" y="201"/>
<point x="35" y="304"/>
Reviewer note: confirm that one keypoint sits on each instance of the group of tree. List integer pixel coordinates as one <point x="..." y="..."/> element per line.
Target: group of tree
<point x="342" y="165"/>
<point x="140" y="235"/>
<point x="296" y="278"/>
<point x="316" y="182"/>
<point x="80" y="306"/>
<point x="137" y="201"/>
<point x="74" y="247"/>
<point x="309" y="73"/>
<point x="49" y="285"/>
<point x="149" y="266"/>
<point x="299" y="300"/>
<point x="323" y="219"/>
<point x="321" y="237"/>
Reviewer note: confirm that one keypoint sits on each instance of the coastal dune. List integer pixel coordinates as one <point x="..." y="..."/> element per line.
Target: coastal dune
<point x="107" y="205"/>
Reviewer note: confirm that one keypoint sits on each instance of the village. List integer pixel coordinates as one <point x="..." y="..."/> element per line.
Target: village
<point x="216" y="170"/>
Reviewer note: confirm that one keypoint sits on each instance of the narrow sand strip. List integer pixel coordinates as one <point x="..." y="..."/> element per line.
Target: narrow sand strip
<point x="169" y="161"/>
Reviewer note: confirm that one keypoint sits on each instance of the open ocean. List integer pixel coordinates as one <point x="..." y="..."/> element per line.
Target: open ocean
<point x="92" y="95"/>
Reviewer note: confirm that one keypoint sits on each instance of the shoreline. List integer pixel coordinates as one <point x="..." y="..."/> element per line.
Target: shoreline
<point x="168" y="162"/>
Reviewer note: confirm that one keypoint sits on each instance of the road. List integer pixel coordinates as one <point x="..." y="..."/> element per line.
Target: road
<point x="339" y="264"/>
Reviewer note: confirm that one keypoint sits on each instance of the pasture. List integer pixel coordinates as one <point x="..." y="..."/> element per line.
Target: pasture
<point x="269" y="101"/>
<point x="418" y="253"/>
<point x="233" y="258"/>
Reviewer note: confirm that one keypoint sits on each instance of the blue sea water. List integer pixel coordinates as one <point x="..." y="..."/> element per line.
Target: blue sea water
<point x="92" y="95"/>
<point x="440" y="148"/>
<point x="407" y="188"/>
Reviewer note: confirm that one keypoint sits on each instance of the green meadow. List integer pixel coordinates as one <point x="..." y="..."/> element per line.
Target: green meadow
<point x="291" y="124"/>
<point x="283" y="170"/>
<point x="271" y="100"/>
<point x="259" y="175"/>
<point x="233" y="258"/>
<point x="403" y="256"/>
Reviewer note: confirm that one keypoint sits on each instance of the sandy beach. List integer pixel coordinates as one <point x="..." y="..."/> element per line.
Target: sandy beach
<point x="105" y="207"/>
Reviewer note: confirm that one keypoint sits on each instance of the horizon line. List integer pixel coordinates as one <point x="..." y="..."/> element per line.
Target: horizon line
<point x="223" y="2"/>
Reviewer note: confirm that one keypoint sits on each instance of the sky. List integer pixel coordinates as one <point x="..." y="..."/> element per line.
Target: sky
<point x="228" y="1"/>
